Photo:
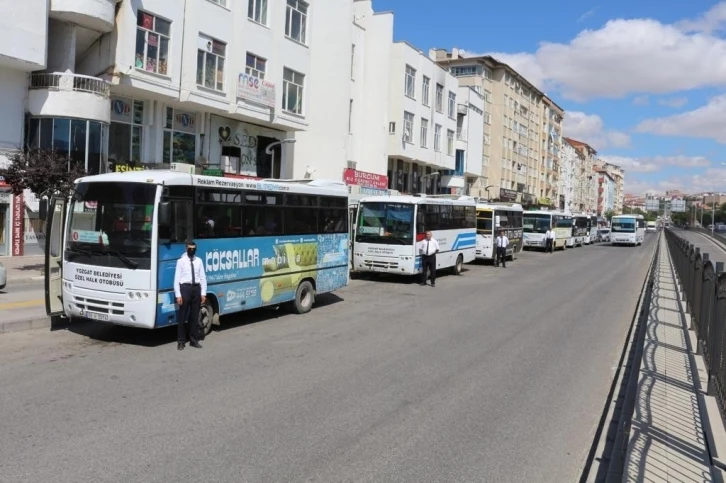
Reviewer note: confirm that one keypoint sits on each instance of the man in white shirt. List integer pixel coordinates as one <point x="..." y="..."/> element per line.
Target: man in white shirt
<point x="190" y="289"/>
<point x="501" y="243"/>
<point x="549" y="240"/>
<point x="428" y="249"/>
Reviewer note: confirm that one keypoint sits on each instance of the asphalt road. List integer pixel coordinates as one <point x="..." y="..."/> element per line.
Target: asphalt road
<point x="497" y="375"/>
<point x="715" y="252"/>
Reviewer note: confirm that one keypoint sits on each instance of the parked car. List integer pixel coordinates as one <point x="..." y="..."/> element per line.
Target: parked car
<point x="603" y="234"/>
<point x="3" y="277"/>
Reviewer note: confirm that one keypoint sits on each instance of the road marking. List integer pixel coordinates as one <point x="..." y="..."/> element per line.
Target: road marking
<point x="22" y="304"/>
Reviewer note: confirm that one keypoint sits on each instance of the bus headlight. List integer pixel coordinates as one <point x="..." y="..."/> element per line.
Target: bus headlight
<point x="138" y="295"/>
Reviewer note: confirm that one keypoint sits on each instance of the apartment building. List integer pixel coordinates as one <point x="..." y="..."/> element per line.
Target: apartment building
<point x="519" y="160"/>
<point x="617" y="173"/>
<point x="469" y="143"/>
<point x="584" y="181"/>
<point x="606" y="192"/>
<point x="232" y="86"/>
<point x="423" y="111"/>
<point x="552" y="118"/>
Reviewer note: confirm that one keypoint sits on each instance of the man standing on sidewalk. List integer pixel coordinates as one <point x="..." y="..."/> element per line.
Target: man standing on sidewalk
<point x="428" y="249"/>
<point x="502" y="242"/>
<point x="190" y="288"/>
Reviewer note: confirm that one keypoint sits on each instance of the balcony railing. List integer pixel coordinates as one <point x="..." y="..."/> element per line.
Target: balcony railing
<point x="70" y="82"/>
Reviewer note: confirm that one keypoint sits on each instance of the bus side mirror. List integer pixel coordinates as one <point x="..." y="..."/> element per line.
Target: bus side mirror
<point x="43" y="209"/>
<point x="165" y="214"/>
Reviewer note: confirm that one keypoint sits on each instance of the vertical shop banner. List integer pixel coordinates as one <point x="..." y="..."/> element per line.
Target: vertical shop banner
<point x="18" y="219"/>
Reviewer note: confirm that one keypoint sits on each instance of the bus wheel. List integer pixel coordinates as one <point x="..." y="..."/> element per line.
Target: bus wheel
<point x="459" y="266"/>
<point x="304" y="298"/>
<point x="206" y="318"/>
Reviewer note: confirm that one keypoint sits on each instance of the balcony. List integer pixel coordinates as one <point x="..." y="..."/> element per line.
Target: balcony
<point x="97" y="15"/>
<point x="69" y="95"/>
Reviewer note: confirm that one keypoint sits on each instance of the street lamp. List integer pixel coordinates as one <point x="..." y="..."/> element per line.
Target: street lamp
<point x="268" y="151"/>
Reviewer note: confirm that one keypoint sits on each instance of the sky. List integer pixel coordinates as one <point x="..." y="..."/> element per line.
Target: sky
<point x="642" y="81"/>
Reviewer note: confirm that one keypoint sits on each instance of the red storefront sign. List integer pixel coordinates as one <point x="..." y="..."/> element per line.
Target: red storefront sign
<point x="18" y="218"/>
<point x="367" y="180"/>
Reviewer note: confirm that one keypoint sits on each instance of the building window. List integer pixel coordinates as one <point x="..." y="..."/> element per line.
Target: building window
<point x="487" y="96"/>
<point x="257" y="11"/>
<point x="410" y="81"/>
<point x="452" y="105"/>
<point x="152" y="43"/>
<point x="465" y="70"/>
<point x="256" y="66"/>
<point x="450" y="142"/>
<point x="424" y="133"/>
<point x="437" y="137"/>
<point x="210" y="63"/>
<point x="82" y="141"/>
<point x="180" y="137"/>
<point x="292" y="91"/>
<point x="296" y="20"/>
<point x="487" y="118"/>
<point x="439" y="98"/>
<point x="407" y="127"/>
<point x="220" y="2"/>
<point x="126" y="133"/>
<point x="426" y="91"/>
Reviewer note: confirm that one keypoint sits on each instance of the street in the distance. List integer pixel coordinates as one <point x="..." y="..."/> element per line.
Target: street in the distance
<point x="496" y="375"/>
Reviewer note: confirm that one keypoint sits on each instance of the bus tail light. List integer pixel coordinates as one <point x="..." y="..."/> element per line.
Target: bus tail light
<point x="420" y="236"/>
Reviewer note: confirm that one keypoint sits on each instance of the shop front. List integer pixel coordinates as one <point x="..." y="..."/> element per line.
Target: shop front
<point x="409" y="177"/>
<point x="237" y="148"/>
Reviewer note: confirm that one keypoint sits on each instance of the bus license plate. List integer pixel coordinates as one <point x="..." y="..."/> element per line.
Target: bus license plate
<point x="96" y="316"/>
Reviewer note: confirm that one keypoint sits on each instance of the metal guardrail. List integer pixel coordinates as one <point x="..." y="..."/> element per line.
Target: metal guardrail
<point x="704" y="293"/>
<point x="70" y="82"/>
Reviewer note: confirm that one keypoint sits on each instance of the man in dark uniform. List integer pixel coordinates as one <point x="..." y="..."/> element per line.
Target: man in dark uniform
<point x="190" y="289"/>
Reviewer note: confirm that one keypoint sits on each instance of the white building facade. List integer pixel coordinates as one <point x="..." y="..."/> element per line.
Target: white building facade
<point x="422" y="122"/>
<point x="240" y="88"/>
<point x="348" y="130"/>
<point x="469" y="144"/>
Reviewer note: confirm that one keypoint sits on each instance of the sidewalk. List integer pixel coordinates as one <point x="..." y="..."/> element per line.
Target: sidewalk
<point x="24" y="270"/>
<point x="667" y="440"/>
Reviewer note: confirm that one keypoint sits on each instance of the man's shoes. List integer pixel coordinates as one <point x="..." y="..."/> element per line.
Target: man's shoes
<point x="433" y="284"/>
<point x="423" y="284"/>
<point x="196" y="345"/>
<point x="180" y="346"/>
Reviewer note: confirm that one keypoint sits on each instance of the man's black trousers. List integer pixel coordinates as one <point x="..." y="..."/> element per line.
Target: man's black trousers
<point x="428" y="264"/>
<point x="501" y="256"/>
<point x="189" y="312"/>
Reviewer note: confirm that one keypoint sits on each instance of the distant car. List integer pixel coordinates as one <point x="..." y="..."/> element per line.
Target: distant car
<point x="603" y="234"/>
<point x="3" y="277"/>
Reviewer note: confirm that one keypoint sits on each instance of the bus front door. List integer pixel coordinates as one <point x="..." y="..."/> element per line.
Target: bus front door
<point x="54" y="243"/>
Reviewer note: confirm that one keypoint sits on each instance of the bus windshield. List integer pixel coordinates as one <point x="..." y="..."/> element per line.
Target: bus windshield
<point x="484" y="222"/>
<point x="385" y="223"/>
<point x="623" y="226"/>
<point x="536" y="223"/>
<point x="110" y="225"/>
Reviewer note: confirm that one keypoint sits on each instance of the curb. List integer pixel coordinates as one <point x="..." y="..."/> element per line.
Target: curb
<point x="21" y="282"/>
<point x="27" y="324"/>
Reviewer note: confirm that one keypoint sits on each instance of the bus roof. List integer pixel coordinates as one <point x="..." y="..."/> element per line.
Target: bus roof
<point x="175" y="178"/>
<point x="546" y="212"/>
<point x="421" y="200"/>
<point x="499" y="206"/>
<point x="636" y="216"/>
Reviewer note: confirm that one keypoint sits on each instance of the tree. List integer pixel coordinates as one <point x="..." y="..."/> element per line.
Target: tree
<point x="609" y="214"/>
<point x="42" y="172"/>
